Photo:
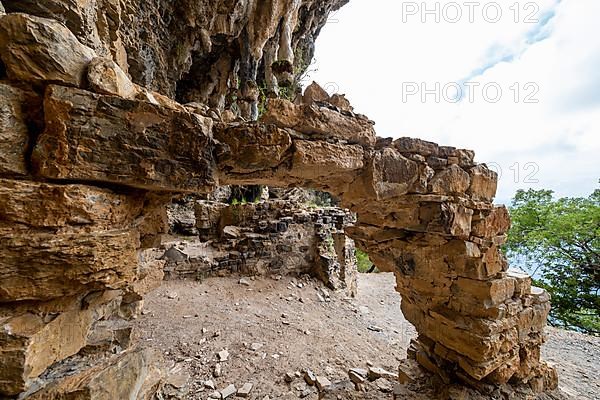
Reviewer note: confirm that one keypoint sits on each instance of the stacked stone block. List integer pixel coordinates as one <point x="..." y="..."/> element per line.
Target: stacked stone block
<point x="268" y="238"/>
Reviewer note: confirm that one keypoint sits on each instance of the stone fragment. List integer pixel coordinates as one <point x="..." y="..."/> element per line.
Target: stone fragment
<point x="310" y="377"/>
<point x="484" y="183"/>
<point x="16" y="109"/>
<point x="223" y="355"/>
<point x="106" y="77"/>
<point x="358" y="375"/>
<point x="375" y="373"/>
<point x="345" y="390"/>
<point x="232" y="232"/>
<point x="2" y="11"/>
<point x="469" y="261"/>
<point x="319" y="122"/>
<point x="289" y="377"/>
<point x="245" y="390"/>
<point x="539" y="295"/>
<point x="496" y="222"/>
<point x="256" y="346"/>
<point x="149" y="276"/>
<point x="409" y="371"/>
<point x="218" y="370"/>
<point x="97" y="27"/>
<point x="388" y="175"/>
<point x="314" y="93"/>
<point x="107" y="139"/>
<point x="176" y="384"/>
<point x="228" y="392"/>
<point x="172" y="295"/>
<point x="452" y="180"/>
<point x="161" y="100"/>
<point x="375" y="328"/>
<point x="322" y="382"/>
<point x="489" y="293"/>
<point x="418" y="146"/>
<point x="506" y="371"/>
<point x="522" y="282"/>
<point x="38" y="49"/>
<point x="340" y="101"/>
<point x="173" y="254"/>
<point x="209" y="384"/>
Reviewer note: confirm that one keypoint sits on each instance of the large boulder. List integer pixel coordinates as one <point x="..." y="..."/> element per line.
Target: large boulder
<point x="38" y="49"/>
<point x="66" y="207"/>
<point x="327" y="164"/>
<point x="133" y="374"/>
<point x="252" y="147"/>
<point x="33" y="340"/>
<point x="41" y="266"/>
<point x="319" y="122"/>
<point x="100" y="138"/>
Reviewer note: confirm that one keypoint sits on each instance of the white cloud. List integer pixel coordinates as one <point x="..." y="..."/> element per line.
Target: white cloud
<point x="370" y="53"/>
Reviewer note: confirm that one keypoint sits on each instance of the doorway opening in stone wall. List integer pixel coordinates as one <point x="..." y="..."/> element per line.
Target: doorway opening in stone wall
<point x="266" y="294"/>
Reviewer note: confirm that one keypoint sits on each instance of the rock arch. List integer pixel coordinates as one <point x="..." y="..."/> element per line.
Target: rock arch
<point x="81" y="198"/>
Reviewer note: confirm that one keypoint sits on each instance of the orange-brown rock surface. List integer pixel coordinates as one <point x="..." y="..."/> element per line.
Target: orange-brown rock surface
<point x="83" y="191"/>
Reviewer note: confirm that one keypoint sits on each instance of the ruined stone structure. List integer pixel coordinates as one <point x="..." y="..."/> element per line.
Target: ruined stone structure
<point x="273" y="237"/>
<point x="89" y="158"/>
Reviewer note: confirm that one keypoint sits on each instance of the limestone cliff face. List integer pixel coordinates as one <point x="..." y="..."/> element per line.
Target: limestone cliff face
<point x="208" y="51"/>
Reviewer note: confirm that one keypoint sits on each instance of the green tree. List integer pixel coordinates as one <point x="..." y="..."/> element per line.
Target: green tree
<point x="363" y="262"/>
<point x="558" y="242"/>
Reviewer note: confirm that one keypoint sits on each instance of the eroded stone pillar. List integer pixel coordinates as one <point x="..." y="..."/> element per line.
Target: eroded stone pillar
<point x="425" y="212"/>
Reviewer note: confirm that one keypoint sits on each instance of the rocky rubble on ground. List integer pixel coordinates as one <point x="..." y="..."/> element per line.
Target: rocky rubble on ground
<point x="94" y="144"/>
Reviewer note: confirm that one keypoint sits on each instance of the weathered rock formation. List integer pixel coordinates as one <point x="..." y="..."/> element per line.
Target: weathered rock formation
<point x="211" y="52"/>
<point x="89" y="159"/>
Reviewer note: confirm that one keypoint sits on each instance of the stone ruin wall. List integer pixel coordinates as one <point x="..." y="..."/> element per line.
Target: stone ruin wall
<point x="89" y="159"/>
<point x="270" y="237"/>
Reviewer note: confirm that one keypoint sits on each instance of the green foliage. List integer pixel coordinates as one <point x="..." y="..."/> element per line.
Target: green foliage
<point x="245" y="194"/>
<point x="329" y="244"/>
<point x="320" y="199"/>
<point x="363" y="262"/>
<point x="558" y="241"/>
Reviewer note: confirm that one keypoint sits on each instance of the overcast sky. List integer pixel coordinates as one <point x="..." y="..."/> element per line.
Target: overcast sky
<point x="518" y="82"/>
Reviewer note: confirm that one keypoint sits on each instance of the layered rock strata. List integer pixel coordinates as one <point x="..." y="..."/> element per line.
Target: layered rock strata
<point x="88" y="161"/>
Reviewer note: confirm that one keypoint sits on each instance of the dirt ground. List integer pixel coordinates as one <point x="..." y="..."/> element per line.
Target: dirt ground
<point x="272" y="327"/>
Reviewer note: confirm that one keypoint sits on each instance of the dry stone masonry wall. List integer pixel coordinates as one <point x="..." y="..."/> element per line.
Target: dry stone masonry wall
<point x="273" y="237"/>
<point x="89" y="159"/>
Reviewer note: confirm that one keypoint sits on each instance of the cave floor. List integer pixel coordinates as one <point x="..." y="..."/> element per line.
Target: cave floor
<point x="271" y="327"/>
